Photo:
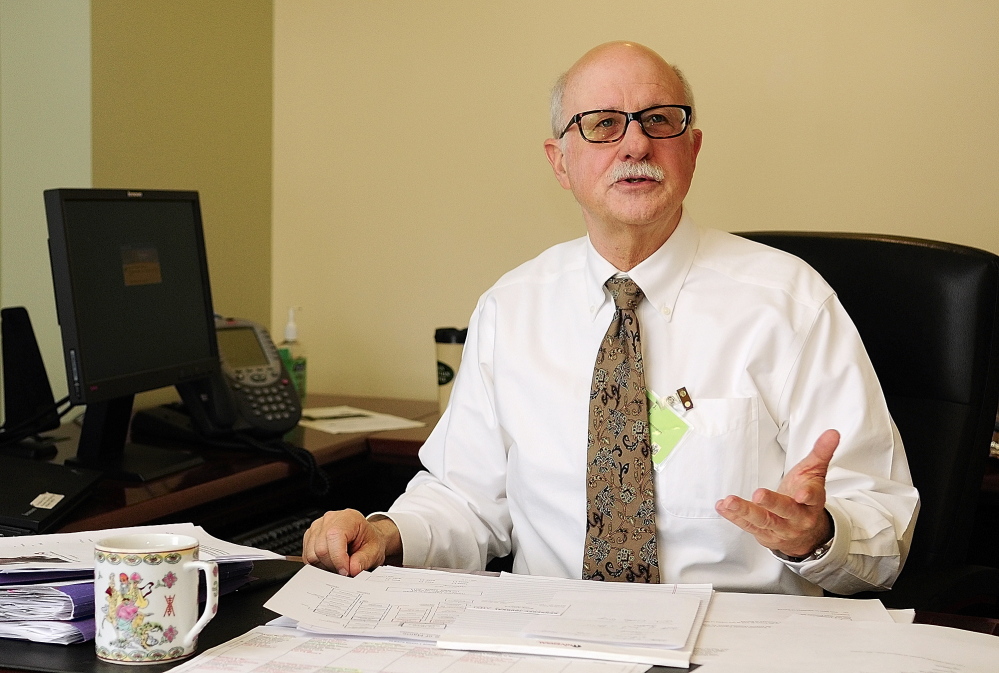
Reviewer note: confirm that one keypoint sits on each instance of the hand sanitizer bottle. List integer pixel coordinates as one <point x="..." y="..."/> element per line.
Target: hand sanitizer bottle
<point x="293" y="354"/>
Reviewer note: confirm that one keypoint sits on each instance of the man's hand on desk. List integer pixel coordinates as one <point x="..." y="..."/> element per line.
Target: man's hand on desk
<point x="792" y="520"/>
<point x="345" y="542"/>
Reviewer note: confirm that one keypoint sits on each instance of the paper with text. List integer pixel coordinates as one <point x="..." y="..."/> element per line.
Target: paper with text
<point x="343" y="419"/>
<point x="269" y="648"/>
<point x="486" y="638"/>
<point x="833" y="646"/>
<point x="735" y="621"/>
<point x="69" y="551"/>
<point x="465" y="611"/>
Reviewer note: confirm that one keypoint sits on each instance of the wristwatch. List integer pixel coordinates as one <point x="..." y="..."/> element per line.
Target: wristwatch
<point x="819" y="552"/>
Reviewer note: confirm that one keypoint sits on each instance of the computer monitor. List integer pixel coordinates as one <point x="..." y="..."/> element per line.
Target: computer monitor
<point x="135" y="309"/>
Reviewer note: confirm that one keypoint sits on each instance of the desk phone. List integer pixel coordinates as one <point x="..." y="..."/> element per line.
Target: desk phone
<point x="264" y="394"/>
<point x="253" y="394"/>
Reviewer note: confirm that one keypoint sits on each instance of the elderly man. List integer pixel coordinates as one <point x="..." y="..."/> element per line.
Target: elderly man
<point x="651" y="402"/>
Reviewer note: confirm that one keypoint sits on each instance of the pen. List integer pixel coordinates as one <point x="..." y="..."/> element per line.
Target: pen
<point x="333" y="417"/>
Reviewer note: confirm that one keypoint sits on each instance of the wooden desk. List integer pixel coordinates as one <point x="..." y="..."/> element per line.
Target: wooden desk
<point x="216" y="490"/>
<point x="401" y="447"/>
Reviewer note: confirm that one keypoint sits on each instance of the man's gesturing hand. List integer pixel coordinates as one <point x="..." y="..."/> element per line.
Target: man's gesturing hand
<point x="347" y="543"/>
<point x="793" y="519"/>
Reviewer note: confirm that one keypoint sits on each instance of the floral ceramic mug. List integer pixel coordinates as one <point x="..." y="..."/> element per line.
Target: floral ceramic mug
<point x="146" y="597"/>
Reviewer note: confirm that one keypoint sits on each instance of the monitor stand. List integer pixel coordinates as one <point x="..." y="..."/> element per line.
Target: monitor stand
<point x="103" y="446"/>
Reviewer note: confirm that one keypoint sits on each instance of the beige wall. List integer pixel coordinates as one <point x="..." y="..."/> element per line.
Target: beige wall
<point x="44" y="143"/>
<point x="409" y="172"/>
<point x="407" y="165"/>
<point x="182" y="100"/>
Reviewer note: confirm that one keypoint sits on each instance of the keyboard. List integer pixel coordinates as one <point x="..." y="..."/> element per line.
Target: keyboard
<point x="283" y="536"/>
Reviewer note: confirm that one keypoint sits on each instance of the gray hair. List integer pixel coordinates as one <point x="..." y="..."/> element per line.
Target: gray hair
<point x="558" y="93"/>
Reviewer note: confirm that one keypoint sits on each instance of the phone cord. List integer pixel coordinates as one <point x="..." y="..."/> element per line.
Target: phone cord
<point x="319" y="481"/>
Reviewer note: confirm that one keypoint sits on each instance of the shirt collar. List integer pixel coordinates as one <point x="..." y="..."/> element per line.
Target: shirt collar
<point x="660" y="276"/>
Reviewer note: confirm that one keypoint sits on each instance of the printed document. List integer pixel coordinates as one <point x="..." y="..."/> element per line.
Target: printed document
<point x="626" y="596"/>
<point x="75" y="551"/>
<point x="735" y="621"/>
<point x="520" y="614"/>
<point x="271" y="648"/>
<point x="833" y="646"/>
<point x="343" y="419"/>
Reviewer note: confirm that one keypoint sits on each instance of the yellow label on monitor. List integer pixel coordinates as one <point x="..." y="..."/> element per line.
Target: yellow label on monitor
<point x="141" y="266"/>
<point x="666" y="429"/>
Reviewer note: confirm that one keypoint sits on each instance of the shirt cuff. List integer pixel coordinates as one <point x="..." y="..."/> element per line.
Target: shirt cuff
<point x="413" y="533"/>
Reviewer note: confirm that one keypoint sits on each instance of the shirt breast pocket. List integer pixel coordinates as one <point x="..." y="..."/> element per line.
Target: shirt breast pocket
<point x="718" y="457"/>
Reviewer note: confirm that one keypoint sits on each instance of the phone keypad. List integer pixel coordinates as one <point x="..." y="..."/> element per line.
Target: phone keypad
<point x="270" y="404"/>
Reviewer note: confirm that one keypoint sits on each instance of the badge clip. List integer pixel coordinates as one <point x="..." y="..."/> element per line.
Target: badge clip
<point x="680" y="401"/>
<point x="685" y="400"/>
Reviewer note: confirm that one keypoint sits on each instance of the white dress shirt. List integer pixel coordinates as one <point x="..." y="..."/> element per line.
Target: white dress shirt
<point x="770" y="360"/>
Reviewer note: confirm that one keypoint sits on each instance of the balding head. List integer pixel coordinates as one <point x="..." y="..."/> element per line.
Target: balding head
<point x="611" y="52"/>
<point x="630" y="188"/>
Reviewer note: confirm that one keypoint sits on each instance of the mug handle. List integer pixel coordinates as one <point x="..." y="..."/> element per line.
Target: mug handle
<point x="211" y="570"/>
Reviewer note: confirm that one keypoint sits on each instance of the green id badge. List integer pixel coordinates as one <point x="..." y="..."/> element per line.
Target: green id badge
<point x="666" y="429"/>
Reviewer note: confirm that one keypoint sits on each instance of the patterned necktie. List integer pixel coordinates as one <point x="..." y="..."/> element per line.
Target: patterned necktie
<point x="620" y="489"/>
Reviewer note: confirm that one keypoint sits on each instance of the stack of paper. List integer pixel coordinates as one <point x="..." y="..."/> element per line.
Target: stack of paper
<point x="61" y="612"/>
<point x="55" y="632"/>
<point x="72" y="554"/>
<point x="641" y="624"/>
<point x="831" y="646"/>
<point x="270" y="648"/>
<point x="46" y="581"/>
<point x="736" y="623"/>
<point x="742" y="633"/>
<point x="64" y="600"/>
<point x="613" y="621"/>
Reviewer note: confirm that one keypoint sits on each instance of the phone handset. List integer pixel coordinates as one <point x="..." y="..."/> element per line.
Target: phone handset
<point x="254" y="393"/>
<point x="210" y="405"/>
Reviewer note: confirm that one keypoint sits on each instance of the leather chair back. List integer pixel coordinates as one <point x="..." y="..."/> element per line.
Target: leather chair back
<point x="928" y="313"/>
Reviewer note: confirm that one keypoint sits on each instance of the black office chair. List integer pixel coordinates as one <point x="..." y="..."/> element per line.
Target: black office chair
<point x="928" y="313"/>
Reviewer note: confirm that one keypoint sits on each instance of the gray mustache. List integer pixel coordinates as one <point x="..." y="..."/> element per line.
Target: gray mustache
<point x="639" y="169"/>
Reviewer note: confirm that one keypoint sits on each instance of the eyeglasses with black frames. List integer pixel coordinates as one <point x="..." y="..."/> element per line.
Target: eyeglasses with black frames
<point x="609" y="126"/>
